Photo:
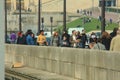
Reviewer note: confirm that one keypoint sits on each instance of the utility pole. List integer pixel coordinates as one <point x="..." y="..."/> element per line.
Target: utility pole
<point x="5" y="21"/>
<point x="51" y="21"/>
<point x="20" y="25"/>
<point x="39" y="16"/>
<point x="42" y="23"/>
<point x="64" y="17"/>
<point x="103" y="16"/>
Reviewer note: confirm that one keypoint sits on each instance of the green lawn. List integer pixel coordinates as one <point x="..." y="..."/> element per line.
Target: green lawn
<point x="89" y="26"/>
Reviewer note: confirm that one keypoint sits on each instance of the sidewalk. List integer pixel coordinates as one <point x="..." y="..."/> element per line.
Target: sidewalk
<point x="38" y="74"/>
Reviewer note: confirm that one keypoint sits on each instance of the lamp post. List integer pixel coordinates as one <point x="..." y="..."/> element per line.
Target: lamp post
<point x="5" y="21"/>
<point x="51" y="21"/>
<point x="64" y="17"/>
<point x="39" y="16"/>
<point x="20" y="25"/>
<point x="103" y="16"/>
<point x="42" y="23"/>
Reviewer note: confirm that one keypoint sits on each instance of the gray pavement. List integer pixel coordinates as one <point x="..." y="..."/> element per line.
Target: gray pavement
<point x="38" y="74"/>
<point x="108" y="15"/>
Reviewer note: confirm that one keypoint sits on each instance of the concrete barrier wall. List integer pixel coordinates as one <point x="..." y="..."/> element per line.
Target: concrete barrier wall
<point x="77" y="63"/>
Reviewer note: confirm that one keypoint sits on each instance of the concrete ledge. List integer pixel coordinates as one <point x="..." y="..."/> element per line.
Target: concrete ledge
<point x="71" y="62"/>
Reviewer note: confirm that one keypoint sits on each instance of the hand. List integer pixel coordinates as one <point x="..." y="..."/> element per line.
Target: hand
<point x="77" y="41"/>
<point x="64" y="43"/>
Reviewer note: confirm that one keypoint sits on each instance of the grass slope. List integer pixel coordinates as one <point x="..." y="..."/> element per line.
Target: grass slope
<point x="89" y="26"/>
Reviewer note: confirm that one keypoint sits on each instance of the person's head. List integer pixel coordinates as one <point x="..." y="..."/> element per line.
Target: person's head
<point x="83" y="31"/>
<point x="73" y="32"/>
<point x="55" y="34"/>
<point x="91" y="45"/>
<point x="99" y="40"/>
<point x="32" y="35"/>
<point x="118" y="31"/>
<point x="105" y="34"/>
<point x="65" y="32"/>
<point x="93" y="35"/>
<point x="115" y="30"/>
<point x="28" y="31"/>
<point x="42" y="32"/>
<point x="64" y="38"/>
<point x="77" y="33"/>
<point x="20" y="34"/>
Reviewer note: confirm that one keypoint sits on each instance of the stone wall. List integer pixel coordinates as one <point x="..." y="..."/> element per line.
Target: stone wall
<point x="2" y="37"/>
<point x="81" y="64"/>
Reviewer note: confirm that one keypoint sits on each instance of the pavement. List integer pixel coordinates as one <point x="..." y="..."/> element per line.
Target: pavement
<point x="38" y="74"/>
<point x="108" y="15"/>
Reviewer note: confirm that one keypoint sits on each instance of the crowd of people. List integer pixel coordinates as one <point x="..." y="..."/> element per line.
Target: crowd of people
<point x="27" y="38"/>
<point x="76" y="40"/>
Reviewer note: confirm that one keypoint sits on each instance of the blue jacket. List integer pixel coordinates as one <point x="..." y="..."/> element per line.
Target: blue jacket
<point x="29" y="40"/>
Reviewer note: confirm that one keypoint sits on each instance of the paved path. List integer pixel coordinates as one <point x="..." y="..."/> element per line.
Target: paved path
<point x="113" y="16"/>
<point x="38" y="74"/>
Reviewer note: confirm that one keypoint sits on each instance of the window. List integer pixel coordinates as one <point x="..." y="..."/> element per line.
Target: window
<point x="17" y="4"/>
<point x="8" y="4"/>
<point x="108" y="3"/>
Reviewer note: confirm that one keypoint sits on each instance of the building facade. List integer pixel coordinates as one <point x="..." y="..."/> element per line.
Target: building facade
<point x="108" y="3"/>
<point x="118" y="3"/>
<point x="14" y="4"/>
<point x="51" y="5"/>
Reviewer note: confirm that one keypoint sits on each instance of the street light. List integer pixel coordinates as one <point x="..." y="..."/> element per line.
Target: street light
<point x="39" y="15"/>
<point x="51" y="20"/>
<point x="64" y="17"/>
<point x="42" y="23"/>
<point x="103" y="16"/>
<point x="20" y="25"/>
